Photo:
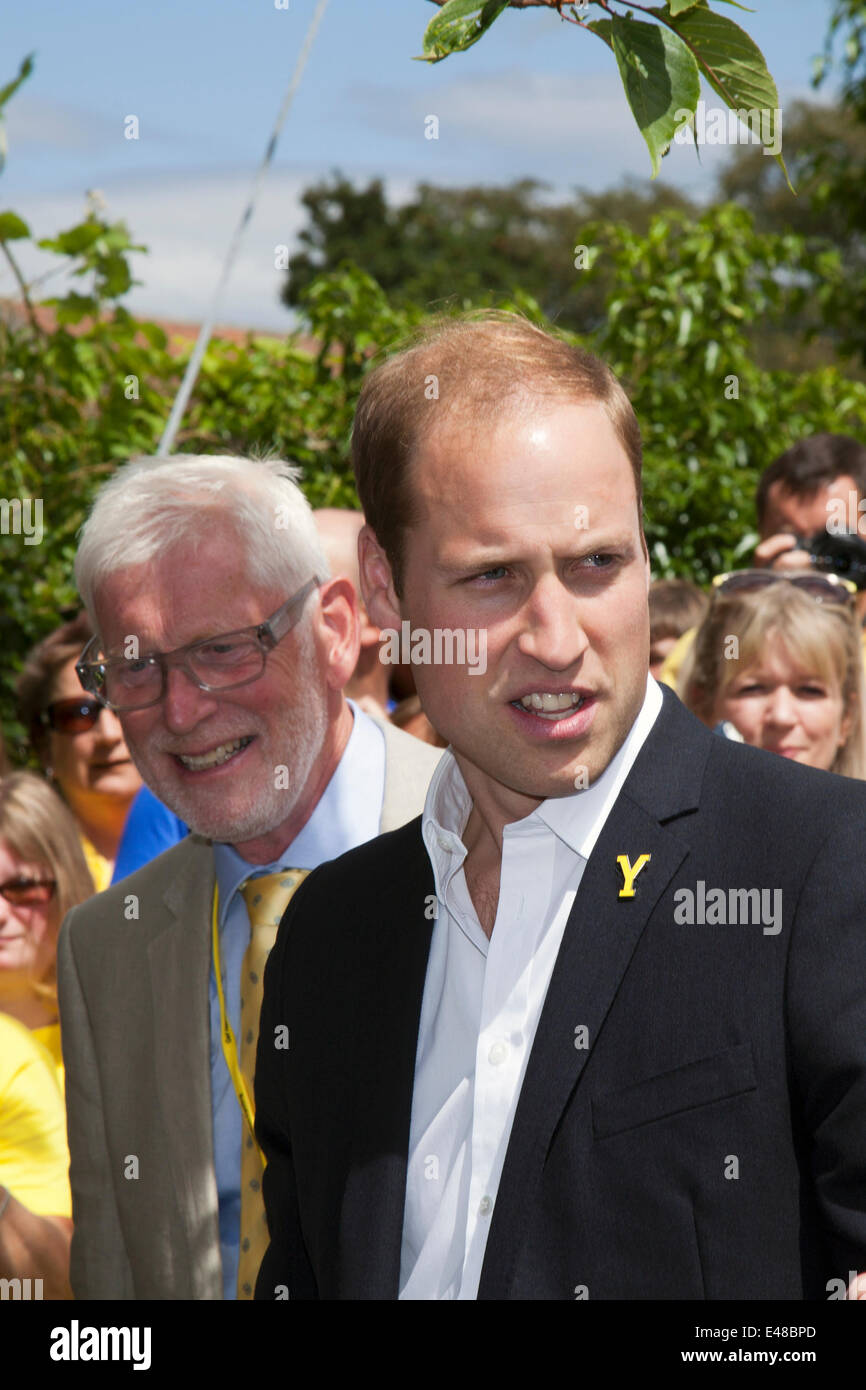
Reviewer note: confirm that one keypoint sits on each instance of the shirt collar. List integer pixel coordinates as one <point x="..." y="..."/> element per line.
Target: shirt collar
<point x="577" y="820"/>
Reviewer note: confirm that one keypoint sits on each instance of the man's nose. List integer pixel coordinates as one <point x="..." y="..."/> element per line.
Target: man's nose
<point x="184" y="703"/>
<point x="552" y="630"/>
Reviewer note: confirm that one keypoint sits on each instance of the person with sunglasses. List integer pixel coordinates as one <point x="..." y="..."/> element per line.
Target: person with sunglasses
<point x="79" y="743"/>
<point x="779" y="657"/>
<point x="43" y="875"/>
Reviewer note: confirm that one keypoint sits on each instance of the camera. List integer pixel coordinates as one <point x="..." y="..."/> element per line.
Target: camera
<point x="843" y="554"/>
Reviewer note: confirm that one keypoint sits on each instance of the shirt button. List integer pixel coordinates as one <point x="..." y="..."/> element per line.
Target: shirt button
<point x="443" y="842"/>
<point x="497" y="1054"/>
<point x="484" y="1206"/>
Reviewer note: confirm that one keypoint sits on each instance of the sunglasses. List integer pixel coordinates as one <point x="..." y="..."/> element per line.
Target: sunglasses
<point x="73" y="716"/>
<point x="28" y="892"/>
<point x="823" y="588"/>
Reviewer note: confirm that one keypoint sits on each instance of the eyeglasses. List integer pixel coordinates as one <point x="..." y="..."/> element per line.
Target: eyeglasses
<point x="28" y="892"/>
<point x="74" y="716"/>
<point x="224" y="662"/>
<point x="823" y="588"/>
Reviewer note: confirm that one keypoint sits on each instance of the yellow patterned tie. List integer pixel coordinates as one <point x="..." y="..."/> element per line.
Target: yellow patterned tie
<point x="266" y="898"/>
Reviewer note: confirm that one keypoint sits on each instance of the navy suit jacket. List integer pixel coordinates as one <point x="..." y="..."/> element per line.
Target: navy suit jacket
<point x="703" y="1134"/>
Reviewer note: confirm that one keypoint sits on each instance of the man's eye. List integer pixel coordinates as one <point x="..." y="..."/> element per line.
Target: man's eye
<point x="493" y="574"/>
<point x="600" y="560"/>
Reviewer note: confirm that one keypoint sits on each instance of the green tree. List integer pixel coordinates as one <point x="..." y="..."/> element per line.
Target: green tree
<point x="837" y="171"/>
<point x="474" y="241"/>
<point x="677" y="331"/>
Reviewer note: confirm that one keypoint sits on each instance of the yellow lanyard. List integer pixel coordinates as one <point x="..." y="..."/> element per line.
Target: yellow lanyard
<point x="230" y="1049"/>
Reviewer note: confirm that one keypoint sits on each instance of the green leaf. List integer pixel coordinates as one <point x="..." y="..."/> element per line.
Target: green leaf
<point x="11" y="87"/>
<point x="678" y="6"/>
<point x="735" y="67"/>
<point x="74" y="241"/>
<point x="659" y="75"/>
<point x="457" y="26"/>
<point x="12" y="228"/>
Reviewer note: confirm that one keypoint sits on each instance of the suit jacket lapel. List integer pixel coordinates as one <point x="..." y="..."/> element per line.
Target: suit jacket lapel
<point x="179" y="956"/>
<point x="601" y="935"/>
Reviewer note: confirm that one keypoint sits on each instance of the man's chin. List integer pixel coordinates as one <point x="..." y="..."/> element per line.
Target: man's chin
<point x="221" y="824"/>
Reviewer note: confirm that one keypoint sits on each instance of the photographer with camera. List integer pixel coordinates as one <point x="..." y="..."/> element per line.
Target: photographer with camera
<point x="809" y="505"/>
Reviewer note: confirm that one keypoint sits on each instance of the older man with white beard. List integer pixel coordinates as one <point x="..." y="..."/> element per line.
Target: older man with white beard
<point x="224" y="647"/>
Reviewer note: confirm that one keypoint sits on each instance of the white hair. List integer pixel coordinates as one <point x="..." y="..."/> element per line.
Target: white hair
<point x="152" y="505"/>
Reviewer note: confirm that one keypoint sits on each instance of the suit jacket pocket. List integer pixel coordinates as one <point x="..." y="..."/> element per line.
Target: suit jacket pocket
<point x="698" y="1083"/>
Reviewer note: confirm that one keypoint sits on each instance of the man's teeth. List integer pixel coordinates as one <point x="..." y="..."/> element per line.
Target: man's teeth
<point x="552" y="706"/>
<point x="214" y="757"/>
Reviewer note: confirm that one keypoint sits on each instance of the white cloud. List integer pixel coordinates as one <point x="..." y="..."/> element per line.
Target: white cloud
<point x="186" y="222"/>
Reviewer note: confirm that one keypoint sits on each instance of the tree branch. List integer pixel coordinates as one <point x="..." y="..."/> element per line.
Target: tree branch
<point x="525" y="4"/>
<point x="22" y="286"/>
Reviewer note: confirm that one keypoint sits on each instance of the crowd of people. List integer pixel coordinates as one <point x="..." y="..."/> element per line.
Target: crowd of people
<point x="190" y="786"/>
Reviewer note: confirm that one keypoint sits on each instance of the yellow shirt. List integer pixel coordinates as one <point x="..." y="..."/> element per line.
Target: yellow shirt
<point x="49" y="1037"/>
<point x="100" y="868"/>
<point x="34" y="1159"/>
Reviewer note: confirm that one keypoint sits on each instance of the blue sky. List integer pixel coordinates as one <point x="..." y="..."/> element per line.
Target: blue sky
<point x="206" y="78"/>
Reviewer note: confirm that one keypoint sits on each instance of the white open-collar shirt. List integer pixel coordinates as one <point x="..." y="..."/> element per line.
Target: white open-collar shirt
<point x="480" y="1010"/>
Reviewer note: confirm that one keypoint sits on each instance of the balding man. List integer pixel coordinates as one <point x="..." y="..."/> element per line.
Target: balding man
<point x="594" y="1024"/>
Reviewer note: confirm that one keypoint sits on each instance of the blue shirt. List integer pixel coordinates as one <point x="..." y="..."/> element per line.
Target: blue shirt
<point x="348" y="813"/>
<point x="150" y="828"/>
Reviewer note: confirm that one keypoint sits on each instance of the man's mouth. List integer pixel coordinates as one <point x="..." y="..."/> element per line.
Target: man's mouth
<point x="546" y="705"/>
<point x="198" y="762"/>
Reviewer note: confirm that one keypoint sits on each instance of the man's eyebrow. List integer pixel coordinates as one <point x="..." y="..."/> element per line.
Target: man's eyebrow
<point x="493" y="558"/>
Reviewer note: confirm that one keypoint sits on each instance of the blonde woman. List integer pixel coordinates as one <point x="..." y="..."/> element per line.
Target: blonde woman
<point x="42" y="875"/>
<point x="779" y="658"/>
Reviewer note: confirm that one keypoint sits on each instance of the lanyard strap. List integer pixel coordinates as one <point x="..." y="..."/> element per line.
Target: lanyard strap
<point x="230" y="1048"/>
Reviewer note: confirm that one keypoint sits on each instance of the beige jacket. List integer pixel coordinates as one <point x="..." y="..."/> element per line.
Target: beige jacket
<point x="136" y="1044"/>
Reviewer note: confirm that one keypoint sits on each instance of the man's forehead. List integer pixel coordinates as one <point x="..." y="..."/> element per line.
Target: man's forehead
<point x="787" y="504"/>
<point x="173" y="610"/>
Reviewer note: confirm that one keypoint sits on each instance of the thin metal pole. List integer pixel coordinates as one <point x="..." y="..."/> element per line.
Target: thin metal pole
<point x="181" y="401"/>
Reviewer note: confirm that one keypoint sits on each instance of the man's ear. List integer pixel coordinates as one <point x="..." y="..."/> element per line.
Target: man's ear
<point x="340" y="627"/>
<point x="377" y="582"/>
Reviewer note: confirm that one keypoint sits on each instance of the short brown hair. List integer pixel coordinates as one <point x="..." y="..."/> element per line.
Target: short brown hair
<point x="470" y="365"/>
<point x="35" y="684"/>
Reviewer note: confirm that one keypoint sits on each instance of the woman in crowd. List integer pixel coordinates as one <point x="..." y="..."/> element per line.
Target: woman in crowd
<point x="42" y="875"/>
<point x="779" y="657"/>
<point x="79" y="744"/>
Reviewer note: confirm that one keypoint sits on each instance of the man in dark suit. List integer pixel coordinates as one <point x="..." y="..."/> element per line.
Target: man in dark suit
<point x="594" y="1025"/>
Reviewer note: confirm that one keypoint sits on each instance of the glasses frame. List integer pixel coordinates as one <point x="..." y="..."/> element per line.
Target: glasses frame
<point x="91" y="671"/>
<point x="29" y="883"/>
<point x="833" y="582"/>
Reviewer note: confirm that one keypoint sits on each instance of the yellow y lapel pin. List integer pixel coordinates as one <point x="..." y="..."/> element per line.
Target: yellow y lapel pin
<point x="630" y="872"/>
